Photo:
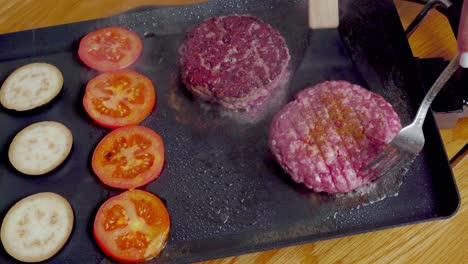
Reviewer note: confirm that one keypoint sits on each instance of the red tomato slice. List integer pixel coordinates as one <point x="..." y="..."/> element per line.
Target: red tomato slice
<point x="129" y="157"/>
<point x="110" y="49"/>
<point x="132" y="227"/>
<point x="121" y="98"/>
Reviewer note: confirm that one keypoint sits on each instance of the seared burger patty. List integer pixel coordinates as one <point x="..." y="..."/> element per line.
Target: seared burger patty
<point x="235" y="61"/>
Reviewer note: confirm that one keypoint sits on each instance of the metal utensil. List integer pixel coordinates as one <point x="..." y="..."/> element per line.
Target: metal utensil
<point x="406" y="146"/>
<point x="429" y="5"/>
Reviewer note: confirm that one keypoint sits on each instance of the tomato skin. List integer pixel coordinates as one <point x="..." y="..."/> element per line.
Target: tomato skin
<point x="157" y="231"/>
<point x="106" y="169"/>
<point x="138" y="112"/>
<point x="106" y="251"/>
<point x="129" y="54"/>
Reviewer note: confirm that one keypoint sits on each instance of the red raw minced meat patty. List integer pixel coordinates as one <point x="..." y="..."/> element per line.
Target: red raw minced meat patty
<point x="236" y="61"/>
<point x="329" y="132"/>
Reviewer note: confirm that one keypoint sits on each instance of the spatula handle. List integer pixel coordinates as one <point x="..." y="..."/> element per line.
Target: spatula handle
<point x="323" y="14"/>
<point x="462" y="36"/>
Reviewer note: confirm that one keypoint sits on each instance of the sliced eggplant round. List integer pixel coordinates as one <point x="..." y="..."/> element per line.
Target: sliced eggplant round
<point x="31" y="86"/>
<point x="40" y="147"/>
<point x="37" y="227"/>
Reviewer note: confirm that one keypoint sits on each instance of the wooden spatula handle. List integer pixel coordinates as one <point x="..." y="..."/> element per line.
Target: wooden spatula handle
<point x="323" y="14"/>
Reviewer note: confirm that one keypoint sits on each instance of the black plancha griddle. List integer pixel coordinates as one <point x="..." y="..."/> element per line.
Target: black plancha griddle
<point x="225" y="194"/>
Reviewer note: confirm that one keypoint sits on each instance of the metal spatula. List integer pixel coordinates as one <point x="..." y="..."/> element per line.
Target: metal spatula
<point x="325" y="57"/>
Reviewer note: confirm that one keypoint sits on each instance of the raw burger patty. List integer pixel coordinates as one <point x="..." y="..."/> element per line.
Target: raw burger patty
<point x="235" y="61"/>
<point x="329" y="132"/>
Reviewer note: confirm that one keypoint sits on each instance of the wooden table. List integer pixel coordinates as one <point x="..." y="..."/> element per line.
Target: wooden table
<point x="435" y="242"/>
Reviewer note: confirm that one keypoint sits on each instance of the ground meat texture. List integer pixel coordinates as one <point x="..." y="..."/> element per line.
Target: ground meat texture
<point x="236" y="61"/>
<point x="329" y="132"/>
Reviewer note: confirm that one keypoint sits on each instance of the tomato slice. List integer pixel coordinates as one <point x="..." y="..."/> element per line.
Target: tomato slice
<point x="120" y="98"/>
<point x="129" y="157"/>
<point x="132" y="227"/>
<point x="110" y="49"/>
